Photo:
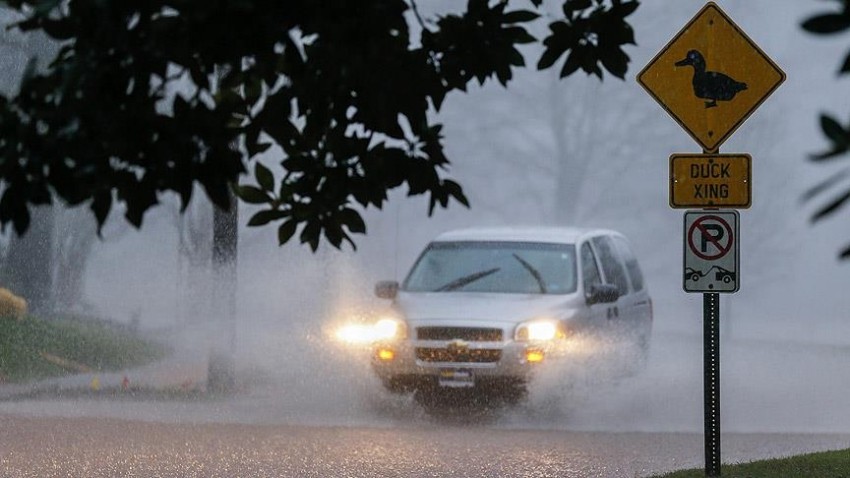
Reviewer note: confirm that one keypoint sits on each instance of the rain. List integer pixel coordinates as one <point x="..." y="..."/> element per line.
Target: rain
<point x="542" y="152"/>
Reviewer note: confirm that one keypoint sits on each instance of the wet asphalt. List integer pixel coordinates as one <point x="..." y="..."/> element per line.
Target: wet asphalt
<point x="331" y="420"/>
<point x="96" y="447"/>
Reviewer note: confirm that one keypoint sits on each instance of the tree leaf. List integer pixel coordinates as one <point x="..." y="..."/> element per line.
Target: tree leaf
<point x="310" y="234"/>
<point x="616" y="62"/>
<point x="845" y="254"/>
<point x="824" y="185"/>
<point x="845" y="67"/>
<point x="352" y="220"/>
<point x="623" y="10"/>
<point x="549" y="57"/>
<point x="520" y="16"/>
<point x="334" y="234"/>
<point x="101" y="205"/>
<point x="827" y="23"/>
<point x="834" y="131"/>
<point x="831" y="207"/>
<point x="264" y="176"/>
<point x="571" y="65"/>
<point x="454" y="190"/>
<point x="254" y="148"/>
<point x="571" y="6"/>
<point x="262" y="218"/>
<point x="286" y="231"/>
<point x="252" y="194"/>
<point x="833" y="153"/>
<point x="21" y="220"/>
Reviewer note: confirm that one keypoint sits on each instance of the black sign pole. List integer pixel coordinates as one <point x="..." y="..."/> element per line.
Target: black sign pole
<point x="711" y="382"/>
<point x="711" y="378"/>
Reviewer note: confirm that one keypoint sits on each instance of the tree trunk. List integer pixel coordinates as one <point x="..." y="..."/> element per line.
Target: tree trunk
<point x="75" y="238"/>
<point x="221" y="375"/>
<point x="28" y="268"/>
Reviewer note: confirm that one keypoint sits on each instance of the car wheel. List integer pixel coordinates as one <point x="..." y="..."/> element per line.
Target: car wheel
<point x="727" y="279"/>
<point x="695" y="277"/>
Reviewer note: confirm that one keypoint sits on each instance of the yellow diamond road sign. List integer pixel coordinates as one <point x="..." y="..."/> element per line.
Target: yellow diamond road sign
<point x="710" y="77"/>
<point x="710" y="180"/>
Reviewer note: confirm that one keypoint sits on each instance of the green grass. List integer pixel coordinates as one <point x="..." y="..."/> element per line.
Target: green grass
<point x="830" y="464"/>
<point x="90" y="343"/>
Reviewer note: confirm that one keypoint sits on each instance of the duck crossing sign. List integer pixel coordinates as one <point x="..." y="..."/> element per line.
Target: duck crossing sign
<point x="710" y="77"/>
<point x="710" y="180"/>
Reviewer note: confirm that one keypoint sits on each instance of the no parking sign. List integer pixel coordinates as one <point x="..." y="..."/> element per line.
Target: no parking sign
<point x="711" y="251"/>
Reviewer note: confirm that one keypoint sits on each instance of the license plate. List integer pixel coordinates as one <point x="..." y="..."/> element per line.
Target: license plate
<point x="456" y="378"/>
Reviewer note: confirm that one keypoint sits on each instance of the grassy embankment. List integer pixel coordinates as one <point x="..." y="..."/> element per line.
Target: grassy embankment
<point x="32" y="348"/>
<point x="830" y="464"/>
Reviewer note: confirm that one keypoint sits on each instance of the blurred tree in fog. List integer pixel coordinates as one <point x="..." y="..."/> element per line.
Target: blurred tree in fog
<point x="827" y="23"/>
<point x="341" y="94"/>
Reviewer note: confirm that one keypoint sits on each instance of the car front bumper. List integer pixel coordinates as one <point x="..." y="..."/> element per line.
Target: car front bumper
<point x="418" y="362"/>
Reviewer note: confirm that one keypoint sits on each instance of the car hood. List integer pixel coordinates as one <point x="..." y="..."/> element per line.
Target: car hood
<point x="455" y="307"/>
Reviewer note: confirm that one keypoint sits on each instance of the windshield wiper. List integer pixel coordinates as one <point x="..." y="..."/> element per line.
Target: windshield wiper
<point x="468" y="279"/>
<point x="534" y="272"/>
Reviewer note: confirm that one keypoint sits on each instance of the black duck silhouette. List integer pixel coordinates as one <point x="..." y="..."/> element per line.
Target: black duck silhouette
<point x="710" y="85"/>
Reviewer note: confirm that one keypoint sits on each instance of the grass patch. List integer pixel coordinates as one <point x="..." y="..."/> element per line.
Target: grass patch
<point x="829" y="464"/>
<point x="32" y="348"/>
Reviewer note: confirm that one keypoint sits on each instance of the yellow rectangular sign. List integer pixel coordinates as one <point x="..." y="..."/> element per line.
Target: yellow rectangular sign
<point x="710" y="180"/>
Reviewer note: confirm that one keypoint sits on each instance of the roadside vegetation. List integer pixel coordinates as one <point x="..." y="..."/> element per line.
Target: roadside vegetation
<point x="829" y="464"/>
<point x="33" y="348"/>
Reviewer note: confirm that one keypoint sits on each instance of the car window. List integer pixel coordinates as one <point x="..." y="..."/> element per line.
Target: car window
<point x="632" y="266"/>
<point x="495" y="266"/>
<point x="611" y="266"/>
<point x="589" y="268"/>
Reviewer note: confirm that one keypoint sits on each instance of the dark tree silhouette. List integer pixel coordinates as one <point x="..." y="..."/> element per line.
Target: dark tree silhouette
<point x="837" y="186"/>
<point x="149" y="96"/>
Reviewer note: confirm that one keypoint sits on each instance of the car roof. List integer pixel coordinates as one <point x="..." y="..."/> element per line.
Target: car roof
<point x="557" y="235"/>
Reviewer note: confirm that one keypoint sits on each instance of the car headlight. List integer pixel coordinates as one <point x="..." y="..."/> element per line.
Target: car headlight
<point x="539" y="330"/>
<point x="389" y="329"/>
<point x="385" y="329"/>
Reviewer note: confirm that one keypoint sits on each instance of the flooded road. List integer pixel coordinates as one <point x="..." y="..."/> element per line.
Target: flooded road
<point x="332" y="419"/>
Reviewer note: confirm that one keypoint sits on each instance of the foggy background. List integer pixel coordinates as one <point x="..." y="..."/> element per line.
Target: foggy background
<point x="542" y="152"/>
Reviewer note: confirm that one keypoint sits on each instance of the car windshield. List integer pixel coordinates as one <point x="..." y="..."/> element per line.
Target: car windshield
<point x="499" y="267"/>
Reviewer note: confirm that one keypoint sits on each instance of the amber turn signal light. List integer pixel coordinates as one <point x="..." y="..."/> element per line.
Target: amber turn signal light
<point x="534" y="355"/>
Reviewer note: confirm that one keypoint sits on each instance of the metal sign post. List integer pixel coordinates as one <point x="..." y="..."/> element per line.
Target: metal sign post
<point x="711" y="381"/>
<point x="710" y="78"/>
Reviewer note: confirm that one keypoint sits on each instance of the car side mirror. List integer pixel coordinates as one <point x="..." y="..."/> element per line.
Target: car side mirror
<point x="386" y="289"/>
<point x="602" y="294"/>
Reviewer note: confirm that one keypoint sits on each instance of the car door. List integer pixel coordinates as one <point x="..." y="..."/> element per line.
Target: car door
<point x="596" y="318"/>
<point x="640" y="304"/>
<point x="614" y="273"/>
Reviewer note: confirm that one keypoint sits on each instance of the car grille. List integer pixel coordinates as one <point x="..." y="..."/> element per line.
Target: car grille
<point x="461" y="355"/>
<point x="469" y="334"/>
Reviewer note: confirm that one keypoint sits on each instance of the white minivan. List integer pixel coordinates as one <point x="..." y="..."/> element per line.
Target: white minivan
<point x="482" y="309"/>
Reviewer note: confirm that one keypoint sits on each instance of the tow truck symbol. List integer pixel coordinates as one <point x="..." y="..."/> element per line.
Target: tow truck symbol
<point x="721" y="274"/>
<point x="693" y="274"/>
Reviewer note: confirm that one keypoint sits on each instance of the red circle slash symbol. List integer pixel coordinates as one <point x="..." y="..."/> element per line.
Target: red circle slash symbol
<point x="722" y="233"/>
